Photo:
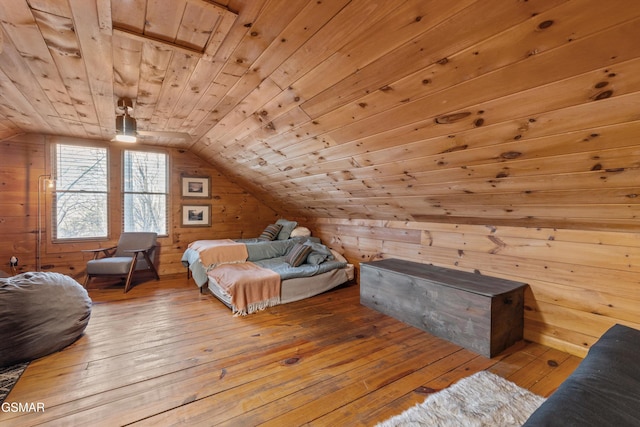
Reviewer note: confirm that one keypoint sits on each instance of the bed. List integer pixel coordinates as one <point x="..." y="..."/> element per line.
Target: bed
<point x="249" y="275"/>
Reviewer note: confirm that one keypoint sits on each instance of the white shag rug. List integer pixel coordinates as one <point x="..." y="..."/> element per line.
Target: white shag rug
<point x="483" y="399"/>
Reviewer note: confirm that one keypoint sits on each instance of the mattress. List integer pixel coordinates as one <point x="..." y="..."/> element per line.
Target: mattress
<point x="324" y="269"/>
<point x="299" y="288"/>
<point x="262" y="252"/>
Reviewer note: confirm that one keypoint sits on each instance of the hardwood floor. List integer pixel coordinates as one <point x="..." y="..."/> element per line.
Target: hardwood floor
<point x="164" y="354"/>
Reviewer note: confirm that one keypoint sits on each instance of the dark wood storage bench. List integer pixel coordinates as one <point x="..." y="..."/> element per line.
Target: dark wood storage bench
<point x="481" y="313"/>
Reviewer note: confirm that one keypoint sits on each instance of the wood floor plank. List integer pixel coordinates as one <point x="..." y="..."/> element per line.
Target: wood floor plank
<point x="166" y="354"/>
<point x="531" y="373"/>
<point x="393" y="398"/>
<point x="303" y="371"/>
<point x="548" y="384"/>
<point x="340" y="388"/>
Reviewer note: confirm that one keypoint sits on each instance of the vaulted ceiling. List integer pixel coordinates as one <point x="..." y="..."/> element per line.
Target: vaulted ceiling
<point x="524" y="112"/>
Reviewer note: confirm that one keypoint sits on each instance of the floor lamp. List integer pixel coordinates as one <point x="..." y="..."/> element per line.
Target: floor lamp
<point x="44" y="181"/>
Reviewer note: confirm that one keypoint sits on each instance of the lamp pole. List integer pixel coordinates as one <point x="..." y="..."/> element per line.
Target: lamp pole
<point x="41" y="188"/>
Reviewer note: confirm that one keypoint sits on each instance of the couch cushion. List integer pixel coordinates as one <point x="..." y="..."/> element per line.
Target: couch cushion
<point x="604" y="390"/>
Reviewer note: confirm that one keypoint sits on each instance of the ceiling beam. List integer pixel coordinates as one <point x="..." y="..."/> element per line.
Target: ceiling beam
<point x="104" y="15"/>
<point x="158" y="42"/>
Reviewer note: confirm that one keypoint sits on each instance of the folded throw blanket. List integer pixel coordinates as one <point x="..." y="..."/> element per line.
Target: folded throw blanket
<point x="216" y="252"/>
<point x="252" y="288"/>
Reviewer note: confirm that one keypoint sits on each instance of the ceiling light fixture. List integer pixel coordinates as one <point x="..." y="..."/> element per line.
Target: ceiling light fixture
<point x="126" y="129"/>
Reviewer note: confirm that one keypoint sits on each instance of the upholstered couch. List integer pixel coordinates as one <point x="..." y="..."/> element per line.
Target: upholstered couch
<point x="604" y="390"/>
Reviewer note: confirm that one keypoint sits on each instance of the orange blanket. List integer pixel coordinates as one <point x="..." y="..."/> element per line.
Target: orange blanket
<point x="250" y="286"/>
<point x="216" y="252"/>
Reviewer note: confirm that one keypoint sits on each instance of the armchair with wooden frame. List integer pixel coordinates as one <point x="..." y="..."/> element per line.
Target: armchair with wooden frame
<point x="134" y="252"/>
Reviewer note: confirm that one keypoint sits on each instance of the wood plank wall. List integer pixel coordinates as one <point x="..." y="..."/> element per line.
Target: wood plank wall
<point x="235" y="213"/>
<point x="580" y="282"/>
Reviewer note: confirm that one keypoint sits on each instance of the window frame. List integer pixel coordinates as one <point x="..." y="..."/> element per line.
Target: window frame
<point x="167" y="193"/>
<point x="52" y="197"/>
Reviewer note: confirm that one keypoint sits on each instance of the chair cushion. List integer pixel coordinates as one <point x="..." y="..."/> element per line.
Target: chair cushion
<point x="41" y="313"/>
<point x="110" y="266"/>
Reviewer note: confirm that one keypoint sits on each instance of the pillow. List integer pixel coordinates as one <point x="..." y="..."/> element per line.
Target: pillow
<point x="319" y="253"/>
<point x="287" y="228"/>
<point x="316" y="258"/>
<point x="320" y="248"/>
<point x="300" y="232"/>
<point x="338" y="256"/>
<point x="270" y="232"/>
<point x="298" y="255"/>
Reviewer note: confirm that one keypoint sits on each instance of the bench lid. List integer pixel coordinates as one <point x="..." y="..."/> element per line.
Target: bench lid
<point x="463" y="280"/>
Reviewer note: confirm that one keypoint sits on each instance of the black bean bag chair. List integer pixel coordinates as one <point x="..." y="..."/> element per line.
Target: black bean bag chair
<point x="40" y="313"/>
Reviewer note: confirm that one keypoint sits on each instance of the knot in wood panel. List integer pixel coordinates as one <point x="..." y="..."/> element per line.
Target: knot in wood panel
<point x="545" y="24"/>
<point x="426" y="390"/>
<point x="291" y="361"/>
<point x="456" y="148"/>
<point x="510" y="155"/>
<point x="452" y="118"/>
<point x="603" y="95"/>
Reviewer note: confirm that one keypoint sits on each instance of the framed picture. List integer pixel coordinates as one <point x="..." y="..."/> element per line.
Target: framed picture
<point x="196" y="215"/>
<point x="196" y="187"/>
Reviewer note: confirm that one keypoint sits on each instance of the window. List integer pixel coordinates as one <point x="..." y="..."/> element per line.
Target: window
<point x="80" y="202"/>
<point x="145" y="191"/>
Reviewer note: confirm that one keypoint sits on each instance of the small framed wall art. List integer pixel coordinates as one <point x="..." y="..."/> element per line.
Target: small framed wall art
<point x="196" y="215"/>
<point x="196" y="187"/>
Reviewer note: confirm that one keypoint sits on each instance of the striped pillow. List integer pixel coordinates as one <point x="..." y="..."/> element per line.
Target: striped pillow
<point x="298" y="255"/>
<point x="270" y="233"/>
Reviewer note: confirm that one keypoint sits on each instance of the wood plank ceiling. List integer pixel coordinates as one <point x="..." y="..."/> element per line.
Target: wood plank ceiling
<point x="520" y="112"/>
